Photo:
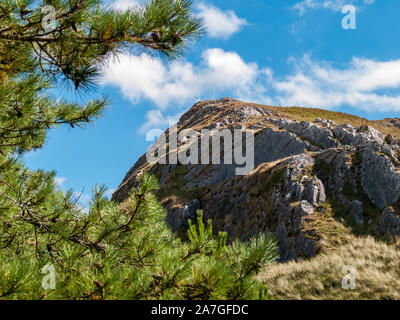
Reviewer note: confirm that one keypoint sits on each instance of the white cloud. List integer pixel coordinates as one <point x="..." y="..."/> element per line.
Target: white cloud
<point x="110" y="192"/>
<point x="82" y="197"/>
<point x="124" y="5"/>
<point x="335" y="5"/>
<point x="156" y="120"/>
<point x="363" y="84"/>
<point x="148" y="78"/>
<point x="31" y="154"/>
<point x="60" y="181"/>
<point x="219" y="23"/>
<point x="83" y="201"/>
<point x="83" y="209"/>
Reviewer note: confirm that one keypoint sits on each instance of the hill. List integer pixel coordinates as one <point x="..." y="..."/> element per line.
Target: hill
<point x="323" y="182"/>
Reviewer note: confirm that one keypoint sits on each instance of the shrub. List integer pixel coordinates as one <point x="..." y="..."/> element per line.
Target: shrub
<point x="111" y="253"/>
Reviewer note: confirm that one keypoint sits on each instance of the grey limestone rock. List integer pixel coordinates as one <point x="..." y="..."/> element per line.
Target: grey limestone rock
<point x="390" y="222"/>
<point x="380" y="179"/>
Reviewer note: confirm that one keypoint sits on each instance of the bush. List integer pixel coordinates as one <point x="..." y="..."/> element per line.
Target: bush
<point x="111" y="253"/>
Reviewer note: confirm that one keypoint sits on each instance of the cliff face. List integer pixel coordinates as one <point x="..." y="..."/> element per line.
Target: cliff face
<point x="316" y="174"/>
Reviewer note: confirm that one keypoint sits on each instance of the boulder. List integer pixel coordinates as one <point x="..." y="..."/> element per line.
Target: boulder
<point x="390" y="222"/>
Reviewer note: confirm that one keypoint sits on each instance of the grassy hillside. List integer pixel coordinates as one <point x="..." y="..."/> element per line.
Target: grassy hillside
<point x="310" y="114"/>
<point x="377" y="265"/>
<point x="386" y="126"/>
<point x="341" y="242"/>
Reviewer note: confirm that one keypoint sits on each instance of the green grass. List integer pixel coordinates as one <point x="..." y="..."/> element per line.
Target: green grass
<point x="327" y="226"/>
<point x="175" y="185"/>
<point x="276" y="177"/>
<point x="380" y="154"/>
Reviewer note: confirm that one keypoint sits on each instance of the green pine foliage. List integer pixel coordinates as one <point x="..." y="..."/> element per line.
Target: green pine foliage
<point x="129" y="253"/>
<point x="112" y="251"/>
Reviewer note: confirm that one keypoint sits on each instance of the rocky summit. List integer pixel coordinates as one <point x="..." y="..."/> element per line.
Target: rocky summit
<point x="315" y="171"/>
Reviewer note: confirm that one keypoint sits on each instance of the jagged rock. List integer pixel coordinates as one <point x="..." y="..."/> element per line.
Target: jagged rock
<point x="306" y="246"/>
<point x="320" y="136"/>
<point x="315" y="192"/>
<point x="178" y="216"/>
<point x="389" y="139"/>
<point x="390" y="153"/>
<point x="362" y="136"/>
<point x="379" y="178"/>
<point x="345" y="134"/>
<point x="304" y="208"/>
<point x="356" y="209"/>
<point x="371" y="134"/>
<point x="389" y="222"/>
<point x="325" y="123"/>
<point x="270" y="144"/>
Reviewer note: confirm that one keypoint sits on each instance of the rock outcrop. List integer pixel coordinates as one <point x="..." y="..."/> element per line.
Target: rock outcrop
<point x="302" y="169"/>
<point x="390" y="222"/>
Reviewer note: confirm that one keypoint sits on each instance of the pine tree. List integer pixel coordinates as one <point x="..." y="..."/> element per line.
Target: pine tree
<point x="113" y="251"/>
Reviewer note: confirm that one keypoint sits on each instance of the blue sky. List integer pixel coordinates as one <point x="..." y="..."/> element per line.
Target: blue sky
<point x="275" y="52"/>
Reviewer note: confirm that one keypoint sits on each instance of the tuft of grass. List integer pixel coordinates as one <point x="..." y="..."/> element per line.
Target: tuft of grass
<point x="310" y="114"/>
<point x="377" y="266"/>
<point x="323" y="170"/>
<point x="381" y="154"/>
<point x="340" y="242"/>
<point x="326" y="227"/>
<point x="175" y="185"/>
<point x="276" y="177"/>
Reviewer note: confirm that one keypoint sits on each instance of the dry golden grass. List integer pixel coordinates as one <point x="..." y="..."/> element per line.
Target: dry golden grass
<point x="326" y="229"/>
<point x="377" y="262"/>
<point x="307" y="114"/>
<point x="310" y="114"/>
<point x="377" y="265"/>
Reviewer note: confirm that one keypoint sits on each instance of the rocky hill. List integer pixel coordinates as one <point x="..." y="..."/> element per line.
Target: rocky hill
<point x="318" y="175"/>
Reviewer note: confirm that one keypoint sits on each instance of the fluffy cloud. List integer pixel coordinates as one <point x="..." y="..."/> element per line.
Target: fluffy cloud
<point x="220" y="24"/>
<point x="146" y="77"/>
<point x="335" y="5"/>
<point x="60" y="181"/>
<point x="110" y="192"/>
<point x="123" y="5"/>
<point x="82" y="197"/>
<point x="156" y="119"/>
<point x="83" y="201"/>
<point x="364" y="84"/>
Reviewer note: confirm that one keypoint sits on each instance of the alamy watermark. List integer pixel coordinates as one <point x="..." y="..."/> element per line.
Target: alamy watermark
<point x="349" y="280"/>
<point x="192" y="147"/>
<point x="49" y="280"/>
<point x="349" y="21"/>
<point x="49" y="18"/>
